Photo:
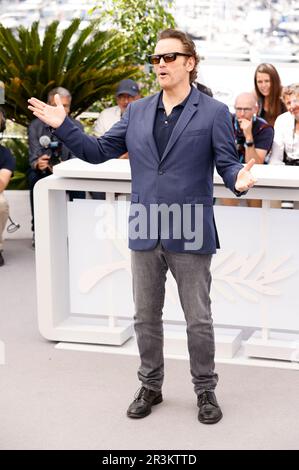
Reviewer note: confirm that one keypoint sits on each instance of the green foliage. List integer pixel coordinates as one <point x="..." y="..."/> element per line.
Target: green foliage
<point x="140" y="21"/>
<point x="89" y="63"/>
<point x="19" y="148"/>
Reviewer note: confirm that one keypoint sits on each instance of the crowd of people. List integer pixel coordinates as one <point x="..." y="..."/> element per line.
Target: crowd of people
<point x="173" y="139"/>
<point x="265" y="124"/>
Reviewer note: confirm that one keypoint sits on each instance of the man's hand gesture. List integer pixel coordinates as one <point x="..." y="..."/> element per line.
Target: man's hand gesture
<point x="245" y="179"/>
<point x="51" y="115"/>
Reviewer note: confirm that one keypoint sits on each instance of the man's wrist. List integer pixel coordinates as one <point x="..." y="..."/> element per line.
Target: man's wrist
<point x="249" y="143"/>
<point x="248" y="134"/>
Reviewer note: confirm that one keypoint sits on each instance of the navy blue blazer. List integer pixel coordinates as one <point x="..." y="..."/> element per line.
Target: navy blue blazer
<point x="202" y="138"/>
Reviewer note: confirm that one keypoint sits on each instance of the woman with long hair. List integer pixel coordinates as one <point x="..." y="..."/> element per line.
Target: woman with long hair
<point x="268" y="90"/>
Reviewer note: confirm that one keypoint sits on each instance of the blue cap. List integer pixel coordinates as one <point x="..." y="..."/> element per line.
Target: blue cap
<point x="128" y="87"/>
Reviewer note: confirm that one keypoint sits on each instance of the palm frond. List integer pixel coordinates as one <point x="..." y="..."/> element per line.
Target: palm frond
<point x="89" y="63"/>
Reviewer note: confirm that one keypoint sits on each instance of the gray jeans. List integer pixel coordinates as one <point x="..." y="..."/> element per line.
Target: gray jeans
<point x="193" y="278"/>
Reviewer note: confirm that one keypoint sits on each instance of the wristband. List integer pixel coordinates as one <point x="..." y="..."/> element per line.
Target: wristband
<point x="249" y="143"/>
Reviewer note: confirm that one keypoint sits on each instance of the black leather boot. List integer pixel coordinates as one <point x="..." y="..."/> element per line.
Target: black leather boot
<point x="142" y="405"/>
<point x="209" y="410"/>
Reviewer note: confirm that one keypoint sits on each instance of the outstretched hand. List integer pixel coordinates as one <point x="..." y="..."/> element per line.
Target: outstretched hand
<point x="245" y="179"/>
<point x="51" y="115"/>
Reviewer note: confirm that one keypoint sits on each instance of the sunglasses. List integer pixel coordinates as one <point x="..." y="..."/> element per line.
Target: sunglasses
<point x="154" y="59"/>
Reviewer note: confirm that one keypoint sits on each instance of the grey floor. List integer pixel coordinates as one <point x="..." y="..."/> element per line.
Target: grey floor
<point x="58" y="399"/>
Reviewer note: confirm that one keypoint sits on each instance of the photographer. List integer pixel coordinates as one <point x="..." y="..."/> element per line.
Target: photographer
<point x="45" y="150"/>
<point x="7" y="166"/>
<point x="253" y="137"/>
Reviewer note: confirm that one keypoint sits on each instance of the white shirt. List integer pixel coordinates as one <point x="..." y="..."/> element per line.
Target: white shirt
<point x="285" y="140"/>
<point x="106" y="119"/>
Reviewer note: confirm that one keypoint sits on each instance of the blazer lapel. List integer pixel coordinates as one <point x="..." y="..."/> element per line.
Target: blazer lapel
<point x="150" y="114"/>
<point x="187" y="113"/>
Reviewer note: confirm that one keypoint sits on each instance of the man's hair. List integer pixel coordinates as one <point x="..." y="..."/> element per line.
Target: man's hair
<point x="62" y="92"/>
<point x="188" y="45"/>
<point x="292" y="89"/>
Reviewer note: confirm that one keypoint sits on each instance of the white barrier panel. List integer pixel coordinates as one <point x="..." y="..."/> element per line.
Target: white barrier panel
<point x="248" y="271"/>
<point x="84" y="286"/>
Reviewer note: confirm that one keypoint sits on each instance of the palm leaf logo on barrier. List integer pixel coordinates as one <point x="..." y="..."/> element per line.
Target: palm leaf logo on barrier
<point x="232" y="273"/>
<point x="237" y="272"/>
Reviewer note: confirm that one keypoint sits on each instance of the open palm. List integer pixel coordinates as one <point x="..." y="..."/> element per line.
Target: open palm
<point x="51" y="115"/>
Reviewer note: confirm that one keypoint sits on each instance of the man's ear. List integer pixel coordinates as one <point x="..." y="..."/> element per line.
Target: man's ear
<point x="190" y="64"/>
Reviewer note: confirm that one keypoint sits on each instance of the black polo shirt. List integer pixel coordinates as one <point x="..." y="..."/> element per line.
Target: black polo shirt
<point x="164" y="124"/>
<point x="7" y="161"/>
<point x="262" y="134"/>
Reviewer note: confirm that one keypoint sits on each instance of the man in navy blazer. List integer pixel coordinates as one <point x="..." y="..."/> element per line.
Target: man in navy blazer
<point x="174" y="139"/>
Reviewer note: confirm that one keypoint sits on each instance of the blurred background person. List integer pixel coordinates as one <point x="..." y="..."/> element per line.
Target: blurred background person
<point x="268" y="88"/>
<point x="45" y="150"/>
<point x="286" y="139"/>
<point x="126" y="92"/>
<point x="7" y="166"/>
<point x="253" y="137"/>
<point x="204" y="89"/>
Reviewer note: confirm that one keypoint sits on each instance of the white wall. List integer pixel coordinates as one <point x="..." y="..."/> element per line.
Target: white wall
<point x="227" y="79"/>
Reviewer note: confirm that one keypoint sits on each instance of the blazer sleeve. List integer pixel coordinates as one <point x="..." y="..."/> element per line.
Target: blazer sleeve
<point x="225" y="152"/>
<point x="91" y="149"/>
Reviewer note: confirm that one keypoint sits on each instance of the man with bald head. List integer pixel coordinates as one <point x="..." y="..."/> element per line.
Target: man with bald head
<point x="253" y="138"/>
<point x="253" y="135"/>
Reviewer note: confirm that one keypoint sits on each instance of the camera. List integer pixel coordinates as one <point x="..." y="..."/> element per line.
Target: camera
<point x="54" y="146"/>
<point x="239" y="136"/>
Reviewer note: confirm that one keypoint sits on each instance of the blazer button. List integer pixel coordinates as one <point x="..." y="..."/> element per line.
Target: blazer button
<point x="161" y="172"/>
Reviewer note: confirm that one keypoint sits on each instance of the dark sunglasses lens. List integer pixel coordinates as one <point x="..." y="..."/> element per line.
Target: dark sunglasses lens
<point x="169" y="57"/>
<point x="154" y="59"/>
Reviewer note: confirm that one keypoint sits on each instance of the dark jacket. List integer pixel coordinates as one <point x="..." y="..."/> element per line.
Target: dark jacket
<point x="204" y="89"/>
<point x="202" y="138"/>
<point x="37" y="129"/>
<point x="7" y="161"/>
